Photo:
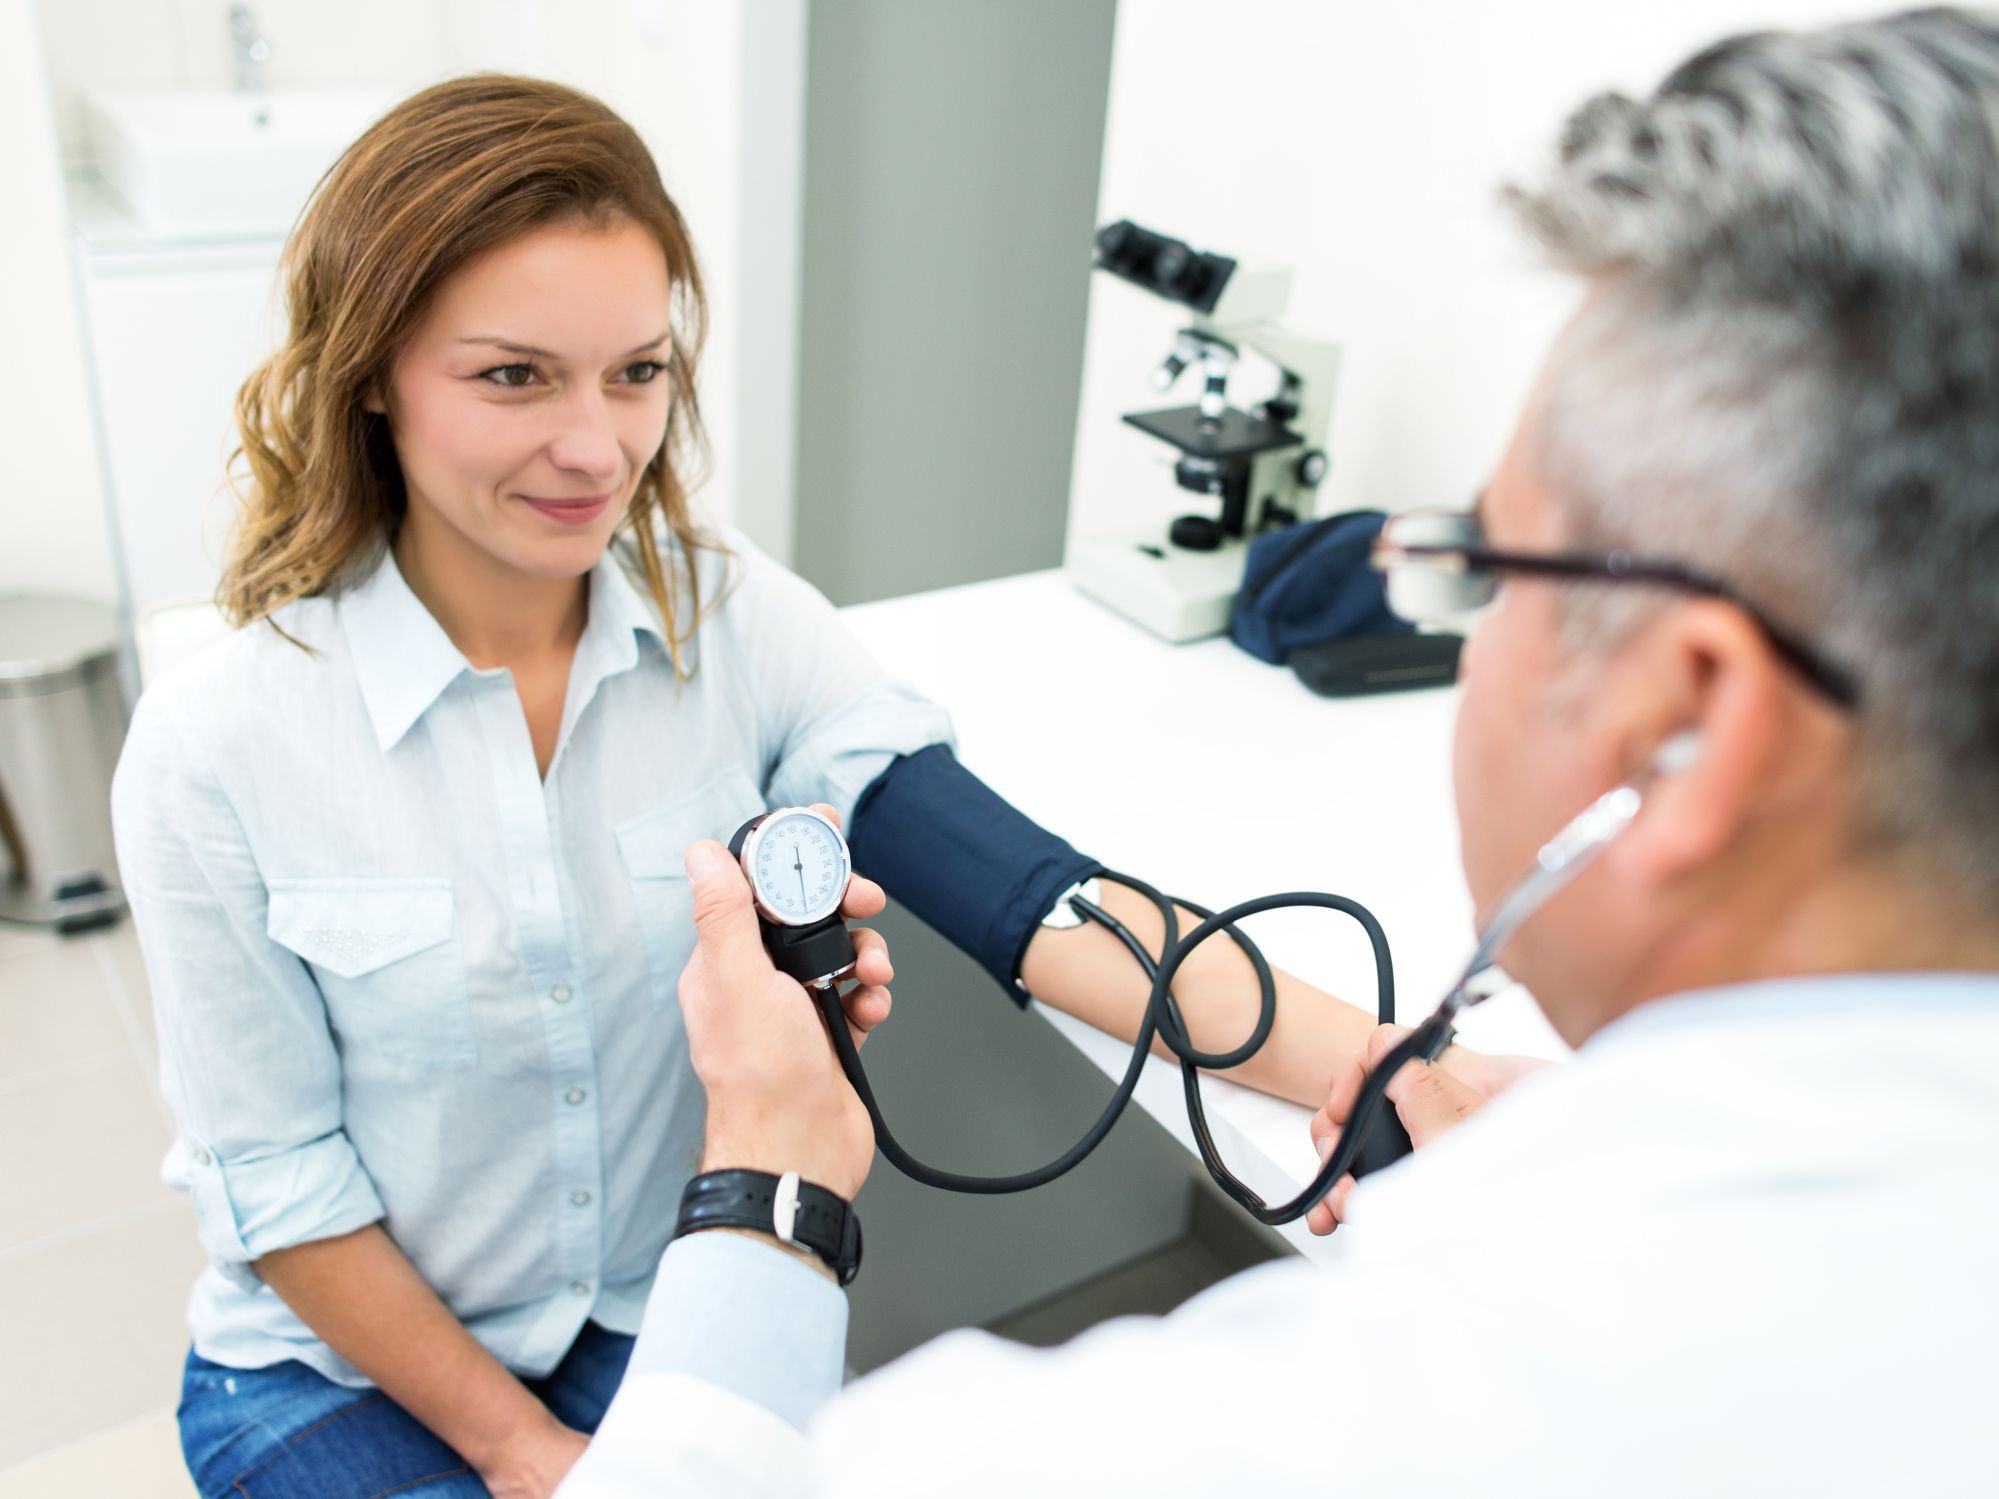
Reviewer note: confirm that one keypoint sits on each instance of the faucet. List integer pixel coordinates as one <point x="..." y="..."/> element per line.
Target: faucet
<point x="253" y="53"/>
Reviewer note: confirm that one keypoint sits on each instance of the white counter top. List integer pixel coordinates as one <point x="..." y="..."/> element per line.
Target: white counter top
<point x="1217" y="778"/>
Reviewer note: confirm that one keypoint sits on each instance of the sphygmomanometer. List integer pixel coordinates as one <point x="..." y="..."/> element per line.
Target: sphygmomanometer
<point x="985" y="876"/>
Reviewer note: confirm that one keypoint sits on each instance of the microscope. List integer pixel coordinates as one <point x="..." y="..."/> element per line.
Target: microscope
<point x="1257" y="468"/>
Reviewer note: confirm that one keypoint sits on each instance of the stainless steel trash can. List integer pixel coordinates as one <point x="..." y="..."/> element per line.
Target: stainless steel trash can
<point x="62" y="723"/>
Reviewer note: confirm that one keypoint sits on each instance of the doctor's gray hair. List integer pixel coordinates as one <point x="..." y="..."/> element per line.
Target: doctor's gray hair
<point x="1786" y="373"/>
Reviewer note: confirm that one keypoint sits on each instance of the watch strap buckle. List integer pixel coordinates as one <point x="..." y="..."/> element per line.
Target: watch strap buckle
<point x="784" y="1209"/>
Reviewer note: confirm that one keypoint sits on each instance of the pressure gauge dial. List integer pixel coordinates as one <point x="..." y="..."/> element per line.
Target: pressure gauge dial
<point x="798" y="866"/>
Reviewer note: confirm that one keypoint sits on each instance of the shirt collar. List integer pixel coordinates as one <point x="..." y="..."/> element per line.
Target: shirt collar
<point x="402" y="657"/>
<point x="1801" y="998"/>
<point x="617" y="616"/>
<point x="404" y="661"/>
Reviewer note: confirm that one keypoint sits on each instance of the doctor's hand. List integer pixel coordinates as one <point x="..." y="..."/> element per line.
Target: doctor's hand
<point x="777" y="1100"/>
<point x="1429" y="1098"/>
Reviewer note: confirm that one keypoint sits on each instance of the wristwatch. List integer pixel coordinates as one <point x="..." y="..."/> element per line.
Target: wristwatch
<point x="800" y="1213"/>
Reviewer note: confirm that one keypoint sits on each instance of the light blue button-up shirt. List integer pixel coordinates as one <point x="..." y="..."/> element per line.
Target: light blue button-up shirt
<point x="402" y="978"/>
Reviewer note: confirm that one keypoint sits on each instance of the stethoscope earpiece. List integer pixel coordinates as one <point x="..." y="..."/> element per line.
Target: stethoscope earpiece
<point x="1678" y="754"/>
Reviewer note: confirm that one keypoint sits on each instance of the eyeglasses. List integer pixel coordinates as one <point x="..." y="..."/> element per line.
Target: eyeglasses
<point x="1437" y="568"/>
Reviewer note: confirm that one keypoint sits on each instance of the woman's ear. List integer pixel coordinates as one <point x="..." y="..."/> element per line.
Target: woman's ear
<point x="372" y="400"/>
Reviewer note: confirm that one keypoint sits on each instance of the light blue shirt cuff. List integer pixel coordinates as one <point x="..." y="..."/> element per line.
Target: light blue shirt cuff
<point x="749" y="1318"/>
<point x="244" y="1210"/>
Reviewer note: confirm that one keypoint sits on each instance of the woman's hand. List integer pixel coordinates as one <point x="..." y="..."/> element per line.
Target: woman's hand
<point x="1429" y="1099"/>
<point x="534" y="1461"/>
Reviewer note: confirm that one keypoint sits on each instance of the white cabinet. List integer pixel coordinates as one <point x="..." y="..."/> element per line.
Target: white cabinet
<point x="174" y="328"/>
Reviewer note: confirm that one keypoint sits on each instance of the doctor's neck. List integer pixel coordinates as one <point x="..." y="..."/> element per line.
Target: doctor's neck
<point x="1790" y="917"/>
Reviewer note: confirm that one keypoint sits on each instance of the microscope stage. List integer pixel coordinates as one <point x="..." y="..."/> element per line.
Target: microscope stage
<point x="1236" y="435"/>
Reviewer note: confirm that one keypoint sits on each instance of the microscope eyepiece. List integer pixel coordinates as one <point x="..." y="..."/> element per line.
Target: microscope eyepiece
<point x="1167" y="267"/>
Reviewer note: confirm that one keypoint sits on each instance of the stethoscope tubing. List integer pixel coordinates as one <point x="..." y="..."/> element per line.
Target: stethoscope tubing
<point x="1162" y="1019"/>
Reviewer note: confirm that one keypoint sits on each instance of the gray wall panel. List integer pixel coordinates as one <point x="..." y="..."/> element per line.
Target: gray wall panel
<point x="951" y="163"/>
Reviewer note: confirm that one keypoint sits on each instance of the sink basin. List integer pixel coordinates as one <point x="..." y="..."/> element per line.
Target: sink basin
<point x="221" y="164"/>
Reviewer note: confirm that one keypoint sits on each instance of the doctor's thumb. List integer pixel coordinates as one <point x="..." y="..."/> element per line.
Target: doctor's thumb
<point x="724" y="919"/>
<point x="1429" y="1101"/>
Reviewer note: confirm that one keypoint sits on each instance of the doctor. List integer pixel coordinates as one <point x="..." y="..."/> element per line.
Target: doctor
<point x="1746" y="1242"/>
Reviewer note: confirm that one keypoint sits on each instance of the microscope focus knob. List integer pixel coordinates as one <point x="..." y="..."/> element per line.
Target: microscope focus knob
<point x="1196" y="533"/>
<point x="1312" y="469"/>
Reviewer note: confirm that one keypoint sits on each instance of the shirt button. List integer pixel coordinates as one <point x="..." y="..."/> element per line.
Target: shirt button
<point x="203" y="1157"/>
<point x="580" y="1197"/>
<point x="575" y="1095"/>
<point x="560" y="994"/>
<point x="579" y="1288"/>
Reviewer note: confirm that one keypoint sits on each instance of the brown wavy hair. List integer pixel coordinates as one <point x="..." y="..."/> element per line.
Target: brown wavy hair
<point x="445" y="177"/>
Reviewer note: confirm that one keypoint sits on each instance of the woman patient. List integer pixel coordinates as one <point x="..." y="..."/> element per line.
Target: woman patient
<point x="404" y="851"/>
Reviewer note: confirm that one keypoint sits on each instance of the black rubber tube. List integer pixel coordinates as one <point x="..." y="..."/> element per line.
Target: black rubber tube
<point x="1162" y="1018"/>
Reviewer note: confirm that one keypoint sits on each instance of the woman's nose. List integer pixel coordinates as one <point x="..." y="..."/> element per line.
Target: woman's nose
<point x="586" y="442"/>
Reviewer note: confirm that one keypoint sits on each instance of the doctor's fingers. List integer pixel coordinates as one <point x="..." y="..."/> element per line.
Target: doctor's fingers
<point x="871" y="961"/>
<point x="1329" y="1214"/>
<point x="1429" y="1101"/>
<point x="864" y="898"/>
<point x="1350" y="1076"/>
<point x="866" y="1006"/>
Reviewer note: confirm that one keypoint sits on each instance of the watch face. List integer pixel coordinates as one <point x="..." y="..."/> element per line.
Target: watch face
<point x="798" y="863"/>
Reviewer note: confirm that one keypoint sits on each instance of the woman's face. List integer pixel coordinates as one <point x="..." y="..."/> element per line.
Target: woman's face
<point x="530" y="399"/>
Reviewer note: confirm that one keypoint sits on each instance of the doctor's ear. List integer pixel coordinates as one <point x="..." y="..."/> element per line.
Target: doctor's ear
<point x="1720" y="699"/>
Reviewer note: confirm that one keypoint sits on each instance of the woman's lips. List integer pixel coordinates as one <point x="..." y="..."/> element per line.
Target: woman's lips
<point x="570" y="512"/>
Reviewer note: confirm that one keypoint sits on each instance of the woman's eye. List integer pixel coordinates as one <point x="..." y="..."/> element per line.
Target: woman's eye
<point x="643" y="372"/>
<point x="512" y="376"/>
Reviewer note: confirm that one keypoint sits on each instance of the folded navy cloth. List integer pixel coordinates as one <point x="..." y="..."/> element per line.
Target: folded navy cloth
<point x="1309" y="582"/>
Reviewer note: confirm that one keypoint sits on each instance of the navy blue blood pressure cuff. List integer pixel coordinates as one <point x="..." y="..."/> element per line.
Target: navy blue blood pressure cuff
<point x="978" y="873"/>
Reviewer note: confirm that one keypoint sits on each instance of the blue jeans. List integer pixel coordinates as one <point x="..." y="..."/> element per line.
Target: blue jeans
<point x="287" y="1432"/>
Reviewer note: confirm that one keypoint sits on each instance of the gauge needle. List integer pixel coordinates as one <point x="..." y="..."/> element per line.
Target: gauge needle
<point x="798" y="863"/>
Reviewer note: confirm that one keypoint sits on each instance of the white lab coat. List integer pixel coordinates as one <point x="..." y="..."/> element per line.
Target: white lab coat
<point x="1747" y="1243"/>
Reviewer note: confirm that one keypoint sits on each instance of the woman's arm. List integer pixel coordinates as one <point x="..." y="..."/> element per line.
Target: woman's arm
<point x="1086" y="971"/>
<point x="367" y="1302"/>
<point x="972" y="867"/>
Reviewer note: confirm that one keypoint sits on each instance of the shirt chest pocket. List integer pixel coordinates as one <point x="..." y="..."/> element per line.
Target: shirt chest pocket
<point x="385" y="955"/>
<point x="653" y="846"/>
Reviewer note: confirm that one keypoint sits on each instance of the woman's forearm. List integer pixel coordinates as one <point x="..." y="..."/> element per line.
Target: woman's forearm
<point x="366" y="1301"/>
<point x="1087" y="972"/>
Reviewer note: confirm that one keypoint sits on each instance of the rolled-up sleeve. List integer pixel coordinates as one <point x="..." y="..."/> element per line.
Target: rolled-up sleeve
<point x="247" y="1062"/>
<point x="832" y="719"/>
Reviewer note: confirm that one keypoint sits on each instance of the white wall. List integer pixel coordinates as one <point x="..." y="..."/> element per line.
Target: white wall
<point x="52" y="530"/>
<point x="1362" y="145"/>
<point x="396" y="45"/>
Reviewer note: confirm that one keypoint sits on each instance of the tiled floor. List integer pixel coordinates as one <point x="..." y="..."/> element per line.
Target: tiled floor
<point x="96" y="1257"/>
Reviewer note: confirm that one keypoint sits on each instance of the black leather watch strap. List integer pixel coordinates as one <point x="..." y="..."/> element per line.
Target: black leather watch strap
<point x="801" y="1213"/>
